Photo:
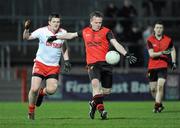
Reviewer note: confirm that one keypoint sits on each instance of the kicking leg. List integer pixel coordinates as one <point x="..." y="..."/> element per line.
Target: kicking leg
<point x="97" y="102"/>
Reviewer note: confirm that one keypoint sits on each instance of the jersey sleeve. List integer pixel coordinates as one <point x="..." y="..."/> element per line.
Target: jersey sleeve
<point x="149" y="45"/>
<point x="36" y="33"/>
<point x="110" y="35"/>
<point x="171" y="44"/>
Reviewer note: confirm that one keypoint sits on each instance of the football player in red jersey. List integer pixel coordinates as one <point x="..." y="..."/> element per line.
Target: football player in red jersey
<point x="161" y="50"/>
<point x="97" y="41"/>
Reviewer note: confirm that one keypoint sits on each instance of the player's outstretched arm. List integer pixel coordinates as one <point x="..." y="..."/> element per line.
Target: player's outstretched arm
<point x="66" y="36"/>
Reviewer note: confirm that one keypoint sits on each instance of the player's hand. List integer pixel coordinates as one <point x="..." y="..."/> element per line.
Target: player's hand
<point x="67" y="66"/>
<point x="166" y="52"/>
<point x="27" y="24"/>
<point x="51" y="39"/>
<point x="131" y="58"/>
<point x="173" y="66"/>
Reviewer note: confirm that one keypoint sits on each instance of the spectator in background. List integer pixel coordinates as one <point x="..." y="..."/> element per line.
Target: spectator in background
<point x="110" y="13"/>
<point x="135" y="34"/>
<point x="128" y="12"/>
<point x="153" y="7"/>
<point x="147" y="6"/>
<point x="134" y="37"/>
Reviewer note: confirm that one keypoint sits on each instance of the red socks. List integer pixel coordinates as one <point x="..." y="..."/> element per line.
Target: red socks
<point x="31" y="108"/>
<point x="98" y="101"/>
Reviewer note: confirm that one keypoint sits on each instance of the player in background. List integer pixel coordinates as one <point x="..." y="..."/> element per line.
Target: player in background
<point x="97" y="41"/>
<point x="46" y="64"/>
<point x="161" y="50"/>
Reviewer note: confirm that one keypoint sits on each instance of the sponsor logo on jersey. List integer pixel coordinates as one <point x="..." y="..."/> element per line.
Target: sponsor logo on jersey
<point x="89" y="44"/>
<point x="54" y="45"/>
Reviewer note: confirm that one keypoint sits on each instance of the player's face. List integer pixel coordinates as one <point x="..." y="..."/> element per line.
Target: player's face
<point x="158" y="29"/>
<point x="96" y="23"/>
<point x="54" y="24"/>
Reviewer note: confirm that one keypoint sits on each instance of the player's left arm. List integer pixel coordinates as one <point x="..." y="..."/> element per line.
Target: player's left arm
<point x="65" y="51"/>
<point x="173" y="54"/>
<point x="130" y="57"/>
<point x="67" y="64"/>
<point x="115" y="43"/>
<point x="118" y="46"/>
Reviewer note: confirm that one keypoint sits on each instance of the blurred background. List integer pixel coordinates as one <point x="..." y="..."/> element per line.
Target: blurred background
<point x="131" y="22"/>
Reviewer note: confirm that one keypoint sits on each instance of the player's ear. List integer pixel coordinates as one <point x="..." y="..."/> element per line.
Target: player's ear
<point x="90" y="21"/>
<point x="49" y="22"/>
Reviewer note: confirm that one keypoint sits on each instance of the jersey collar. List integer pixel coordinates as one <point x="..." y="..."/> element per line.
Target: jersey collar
<point x="52" y="31"/>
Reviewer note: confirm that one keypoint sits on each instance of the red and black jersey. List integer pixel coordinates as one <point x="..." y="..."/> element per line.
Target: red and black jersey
<point x="96" y="43"/>
<point x="159" y="45"/>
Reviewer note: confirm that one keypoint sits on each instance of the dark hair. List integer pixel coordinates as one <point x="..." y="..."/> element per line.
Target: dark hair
<point x="158" y="22"/>
<point x="96" y="14"/>
<point x="53" y="15"/>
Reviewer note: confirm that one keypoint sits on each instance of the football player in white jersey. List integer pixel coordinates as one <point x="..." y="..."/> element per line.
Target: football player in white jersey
<point x="46" y="64"/>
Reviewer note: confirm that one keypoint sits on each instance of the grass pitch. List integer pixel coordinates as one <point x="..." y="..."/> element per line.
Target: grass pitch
<point x="75" y="115"/>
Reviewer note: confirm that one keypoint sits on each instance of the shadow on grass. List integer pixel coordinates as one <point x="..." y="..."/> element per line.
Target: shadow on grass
<point x="64" y="118"/>
<point x="70" y="118"/>
<point x="171" y="111"/>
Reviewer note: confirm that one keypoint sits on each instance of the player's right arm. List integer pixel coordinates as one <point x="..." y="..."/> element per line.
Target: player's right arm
<point x="151" y="51"/>
<point x="154" y="54"/>
<point x="26" y="33"/>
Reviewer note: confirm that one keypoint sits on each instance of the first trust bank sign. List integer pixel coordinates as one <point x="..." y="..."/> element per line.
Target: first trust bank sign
<point x="125" y="87"/>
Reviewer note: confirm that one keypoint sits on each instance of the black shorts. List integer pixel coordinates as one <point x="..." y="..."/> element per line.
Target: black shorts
<point x="55" y="76"/>
<point x="101" y="71"/>
<point x="154" y="74"/>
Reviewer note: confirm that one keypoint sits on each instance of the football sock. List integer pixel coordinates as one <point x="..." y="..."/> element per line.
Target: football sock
<point x="157" y="105"/>
<point x="100" y="107"/>
<point x="31" y="108"/>
<point x="98" y="100"/>
<point x="41" y="92"/>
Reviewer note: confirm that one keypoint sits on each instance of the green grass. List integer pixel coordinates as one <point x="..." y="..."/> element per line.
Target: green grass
<point x="75" y="115"/>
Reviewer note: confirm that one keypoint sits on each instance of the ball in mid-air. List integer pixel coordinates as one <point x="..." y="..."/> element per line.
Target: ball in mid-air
<point x="112" y="57"/>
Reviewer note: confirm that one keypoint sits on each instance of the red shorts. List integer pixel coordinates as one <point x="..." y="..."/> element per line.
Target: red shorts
<point x="45" y="71"/>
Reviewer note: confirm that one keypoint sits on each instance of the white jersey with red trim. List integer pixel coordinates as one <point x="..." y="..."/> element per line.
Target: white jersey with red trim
<point x="48" y="53"/>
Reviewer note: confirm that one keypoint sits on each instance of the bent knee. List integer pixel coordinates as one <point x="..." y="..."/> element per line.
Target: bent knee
<point x="34" y="90"/>
<point x="51" y="89"/>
